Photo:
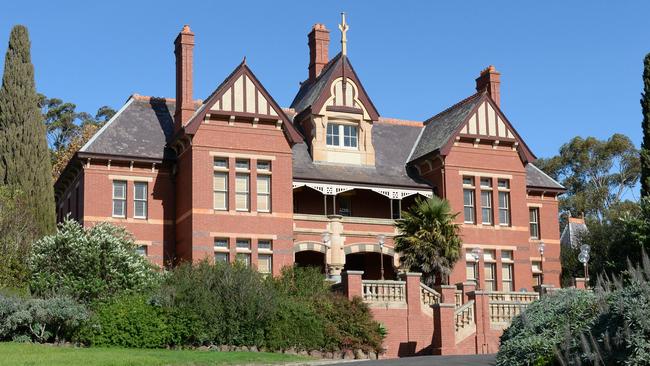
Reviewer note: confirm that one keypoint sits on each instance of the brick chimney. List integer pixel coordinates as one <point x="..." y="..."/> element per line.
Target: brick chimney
<point x="319" y="43"/>
<point x="490" y="79"/>
<point x="183" y="49"/>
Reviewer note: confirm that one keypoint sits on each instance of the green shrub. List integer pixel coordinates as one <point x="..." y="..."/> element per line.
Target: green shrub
<point x="40" y="320"/>
<point x="534" y="336"/>
<point x="295" y="324"/>
<point x="128" y="321"/>
<point x="349" y="324"/>
<point x="88" y="263"/>
<point x="226" y="304"/>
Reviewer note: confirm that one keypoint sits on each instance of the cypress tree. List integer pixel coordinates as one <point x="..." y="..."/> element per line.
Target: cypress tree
<point x="24" y="156"/>
<point x="645" y="126"/>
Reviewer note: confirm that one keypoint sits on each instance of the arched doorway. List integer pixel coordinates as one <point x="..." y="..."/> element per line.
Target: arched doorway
<point x="370" y="264"/>
<point x="310" y="258"/>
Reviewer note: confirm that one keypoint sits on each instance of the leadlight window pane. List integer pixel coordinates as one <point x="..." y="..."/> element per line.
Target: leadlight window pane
<point x="486" y="182"/>
<point x="244" y="258"/>
<point x="220" y="182"/>
<point x="242" y="191"/>
<point x="486" y="207"/>
<point x="119" y="198"/>
<point x="504" y="208"/>
<point x="506" y="255"/>
<point x="243" y="244"/>
<point x="242" y="164"/>
<point x="264" y="165"/>
<point x="534" y="223"/>
<point x="141" y="250"/>
<point x="265" y="263"/>
<point x="222" y="257"/>
<point x="332" y="134"/>
<point x="468" y="203"/>
<point x="349" y="136"/>
<point x="221" y="243"/>
<point x="221" y="163"/>
<point x="264" y="244"/>
<point x="469" y="181"/>
<point x="504" y="183"/>
<point x="140" y="199"/>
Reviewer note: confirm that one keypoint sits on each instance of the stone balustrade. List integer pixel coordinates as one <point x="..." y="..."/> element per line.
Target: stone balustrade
<point x="383" y="291"/>
<point x="429" y="295"/>
<point x="458" y="297"/>
<point x="502" y="312"/>
<point x="516" y="297"/>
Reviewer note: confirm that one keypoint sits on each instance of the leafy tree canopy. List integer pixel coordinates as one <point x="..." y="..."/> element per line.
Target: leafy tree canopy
<point x="597" y="173"/>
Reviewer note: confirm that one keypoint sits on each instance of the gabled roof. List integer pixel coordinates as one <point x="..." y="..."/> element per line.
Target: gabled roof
<point x="215" y="103"/>
<point x="441" y="130"/>
<point x="140" y="129"/>
<point x="536" y="178"/>
<point x="315" y="93"/>
<point x="392" y="140"/>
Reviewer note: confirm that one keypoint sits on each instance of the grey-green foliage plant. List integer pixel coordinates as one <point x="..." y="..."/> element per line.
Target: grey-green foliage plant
<point x="25" y="160"/>
<point x="89" y="263"/>
<point x="621" y="332"/>
<point x="534" y="336"/>
<point x="41" y="320"/>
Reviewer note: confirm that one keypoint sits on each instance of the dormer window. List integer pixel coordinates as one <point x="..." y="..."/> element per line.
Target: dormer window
<point x="340" y="135"/>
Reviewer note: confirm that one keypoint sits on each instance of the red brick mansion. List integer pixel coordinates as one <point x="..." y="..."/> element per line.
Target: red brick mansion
<point x="320" y="183"/>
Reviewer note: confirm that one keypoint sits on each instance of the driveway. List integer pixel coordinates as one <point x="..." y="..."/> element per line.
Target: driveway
<point x="474" y="360"/>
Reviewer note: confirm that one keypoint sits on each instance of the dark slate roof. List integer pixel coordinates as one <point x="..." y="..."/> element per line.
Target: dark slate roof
<point x="392" y="143"/>
<point x="573" y="233"/>
<point x="440" y="128"/>
<point x="140" y="129"/>
<point x="535" y="177"/>
<point x="309" y="91"/>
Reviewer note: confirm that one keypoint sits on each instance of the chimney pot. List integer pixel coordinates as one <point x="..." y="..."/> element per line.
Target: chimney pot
<point x="319" y="41"/>
<point x="490" y="80"/>
<point x="184" y="51"/>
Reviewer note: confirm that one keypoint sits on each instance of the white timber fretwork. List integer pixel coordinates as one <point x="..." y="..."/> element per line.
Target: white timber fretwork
<point x="487" y="122"/>
<point x="334" y="189"/>
<point x="244" y="96"/>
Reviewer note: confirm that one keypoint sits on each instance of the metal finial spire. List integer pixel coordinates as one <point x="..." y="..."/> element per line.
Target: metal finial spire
<point x="344" y="40"/>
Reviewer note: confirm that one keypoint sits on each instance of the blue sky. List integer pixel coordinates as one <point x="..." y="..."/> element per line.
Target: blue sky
<point x="568" y="67"/>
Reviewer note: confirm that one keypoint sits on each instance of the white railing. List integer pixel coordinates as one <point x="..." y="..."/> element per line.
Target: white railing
<point x="383" y="291"/>
<point x="429" y="296"/>
<point x="516" y="297"/>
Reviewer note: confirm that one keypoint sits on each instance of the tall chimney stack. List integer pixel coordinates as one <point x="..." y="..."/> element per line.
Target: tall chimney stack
<point x="490" y="80"/>
<point x="319" y="43"/>
<point x="184" y="48"/>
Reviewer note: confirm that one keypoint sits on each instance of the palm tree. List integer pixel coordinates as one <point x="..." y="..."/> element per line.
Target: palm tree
<point x="428" y="240"/>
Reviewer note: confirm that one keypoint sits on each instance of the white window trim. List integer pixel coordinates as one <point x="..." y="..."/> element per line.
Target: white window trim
<point x="123" y="199"/>
<point x="473" y="206"/>
<point x="341" y="136"/>
<point x="265" y="174"/>
<point x="507" y="209"/>
<point x="224" y="191"/>
<point x="145" y="200"/>
<point x="247" y="192"/>
<point x="491" y="216"/>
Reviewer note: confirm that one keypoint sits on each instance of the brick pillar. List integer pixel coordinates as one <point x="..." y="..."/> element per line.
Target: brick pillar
<point x="582" y="283"/>
<point x="467" y="288"/>
<point x="352" y="283"/>
<point x="413" y="293"/>
<point x="444" y="327"/>
<point x="482" y="316"/>
<point x="184" y="51"/>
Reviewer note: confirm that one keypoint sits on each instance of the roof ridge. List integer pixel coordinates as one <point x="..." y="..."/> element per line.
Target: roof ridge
<point x="148" y="98"/>
<point x="480" y="93"/>
<point x="400" y="122"/>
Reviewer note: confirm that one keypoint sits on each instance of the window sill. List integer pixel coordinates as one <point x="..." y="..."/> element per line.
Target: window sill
<point x="139" y="218"/>
<point x="118" y="217"/>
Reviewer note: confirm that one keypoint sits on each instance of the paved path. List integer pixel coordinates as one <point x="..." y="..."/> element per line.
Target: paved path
<point x="474" y="360"/>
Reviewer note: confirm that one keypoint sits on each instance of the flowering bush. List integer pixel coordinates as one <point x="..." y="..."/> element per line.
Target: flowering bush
<point x="88" y="263"/>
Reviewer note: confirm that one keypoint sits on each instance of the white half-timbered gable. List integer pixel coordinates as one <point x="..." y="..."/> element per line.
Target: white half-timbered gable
<point x="487" y="121"/>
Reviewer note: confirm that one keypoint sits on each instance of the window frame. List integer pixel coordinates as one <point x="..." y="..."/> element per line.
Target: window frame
<point x="246" y="193"/>
<point x="144" y="200"/>
<point x="220" y="171"/>
<point x="122" y="199"/>
<point x="535" y="223"/>
<point x="471" y="206"/>
<point x="487" y="207"/>
<point x="337" y="133"/>
<point x="264" y="195"/>
<point x="505" y="209"/>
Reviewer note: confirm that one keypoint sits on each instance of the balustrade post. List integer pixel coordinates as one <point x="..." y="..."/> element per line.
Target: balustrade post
<point x="482" y="316"/>
<point x="444" y="329"/>
<point x="352" y="284"/>
<point x="413" y="293"/>
<point x="582" y="283"/>
<point x="447" y="294"/>
<point x="467" y="288"/>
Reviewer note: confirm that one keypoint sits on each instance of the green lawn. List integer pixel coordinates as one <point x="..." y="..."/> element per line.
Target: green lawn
<point x="36" y="354"/>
